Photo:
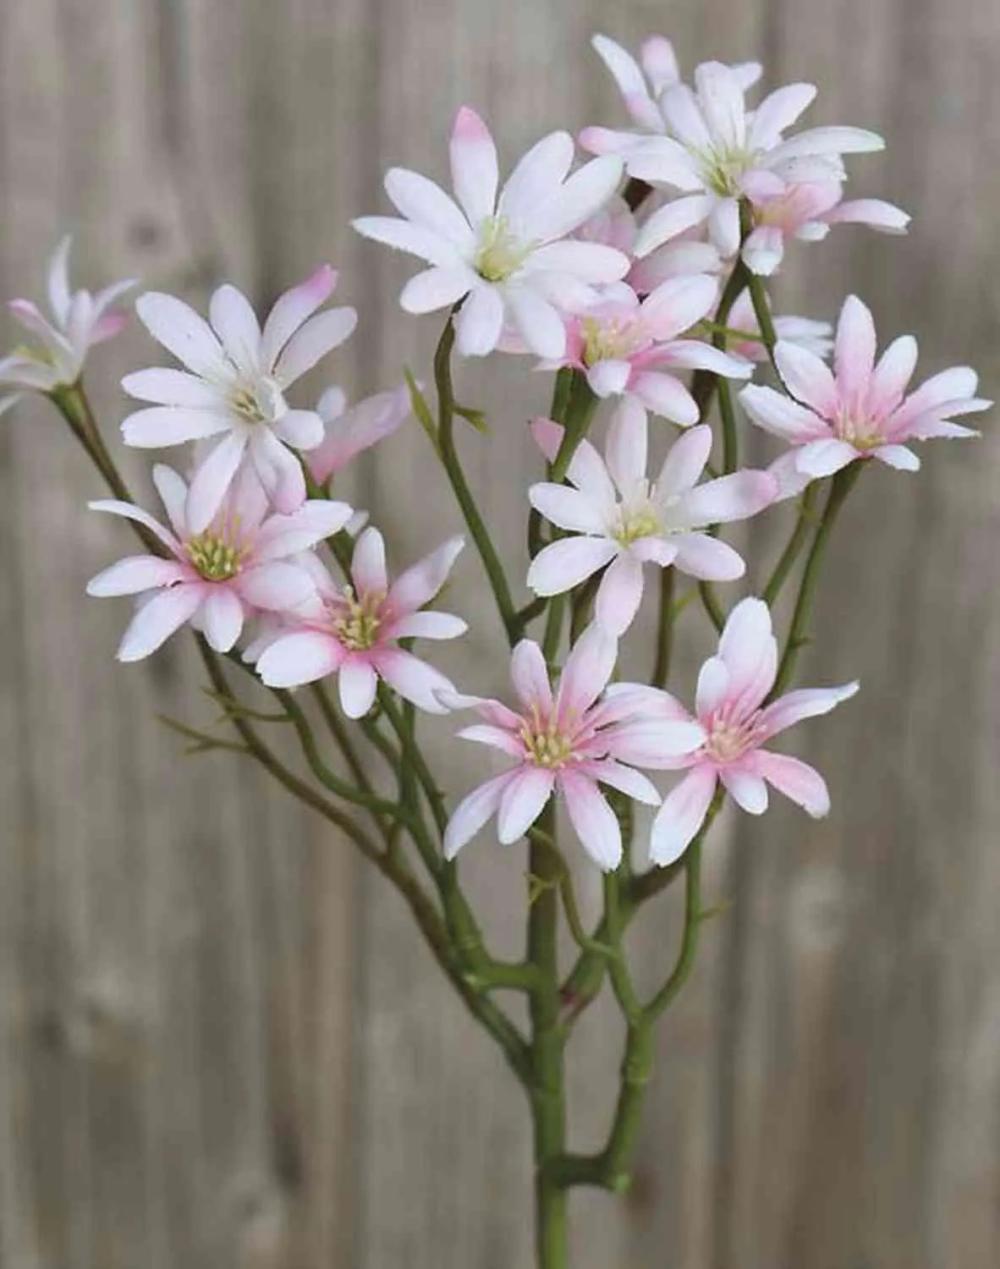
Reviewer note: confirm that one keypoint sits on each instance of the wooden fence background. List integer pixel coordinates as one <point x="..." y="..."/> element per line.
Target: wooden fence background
<point x="221" y="1042"/>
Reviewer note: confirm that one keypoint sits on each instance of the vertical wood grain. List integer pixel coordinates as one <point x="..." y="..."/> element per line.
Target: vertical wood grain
<point x="221" y="1042"/>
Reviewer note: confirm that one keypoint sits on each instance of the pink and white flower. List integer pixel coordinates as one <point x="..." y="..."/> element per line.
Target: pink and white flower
<point x="77" y="322"/>
<point x="860" y="409"/>
<point x="233" y="387"/>
<point x="616" y="517"/>
<point x="348" y="431"/>
<point x="353" y="631"/>
<point x="806" y="211"/>
<point x="243" y="562"/>
<point x="730" y="706"/>
<point x="508" y="257"/>
<point x="643" y="85"/>
<point x="715" y="151"/>
<point x="568" y="742"/>
<point x="631" y="347"/>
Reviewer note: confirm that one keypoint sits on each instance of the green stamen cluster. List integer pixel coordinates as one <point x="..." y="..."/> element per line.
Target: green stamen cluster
<point x="500" y="253"/>
<point x="357" y="628"/>
<point x="214" y="558"/>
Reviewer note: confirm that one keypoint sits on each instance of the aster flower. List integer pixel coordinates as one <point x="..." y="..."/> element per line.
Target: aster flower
<point x="715" y="151"/>
<point x="233" y="387"/>
<point x="349" y="431"/>
<point x="630" y="347"/>
<point x="567" y="742"/>
<point x="616" y="517"/>
<point x="806" y="211"/>
<point x="729" y="705"/>
<point x="860" y="409"/>
<point x="643" y="84"/>
<point x="354" y="631"/>
<point x="508" y="257"/>
<point x="77" y="322"/>
<point x="242" y="562"/>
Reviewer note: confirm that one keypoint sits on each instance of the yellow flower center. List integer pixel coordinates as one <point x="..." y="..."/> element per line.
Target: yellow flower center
<point x="258" y="402"/>
<point x="722" y="168"/>
<point x="640" y="522"/>
<point x="500" y="253"/>
<point x="861" y="433"/>
<point x="611" y="340"/>
<point x="215" y="559"/>
<point x="730" y="739"/>
<point x="546" y="746"/>
<point x="357" y="621"/>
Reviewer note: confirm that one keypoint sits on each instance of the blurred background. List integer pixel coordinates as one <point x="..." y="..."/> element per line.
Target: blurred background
<point x="222" y="1043"/>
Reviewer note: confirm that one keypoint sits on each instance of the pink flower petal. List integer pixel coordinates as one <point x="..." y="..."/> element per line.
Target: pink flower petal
<point x="681" y="815"/>
<point x="405" y="236"/>
<point x="677" y="305"/>
<point x="778" y="111"/>
<point x="627" y="445"/>
<point x="666" y="396"/>
<point x="175" y="387"/>
<point x="824" y="457"/>
<point x="421" y="582"/>
<point x="588" y="261"/>
<point x="212" y="480"/>
<point x="301" y="657"/>
<point x="302" y="429"/>
<point x="278" y="586"/>
<point x="156" y="621"/>
<point x="657" y="744"/>
<point x="357" y="683"/>
<point x="583" y="194"/>
<point x="279" y="470"/>
<point x="897" y="456"/>
<point x="781" y="416"/>
<point x="474" y="173"/>
<point x="368" y="571"/>
<point x="713" y="686"/>
<point x="674" y="218"/>
<point x="236" y="325"/>
<point x="316" y="520"/>
<point x="530" y="677"/>
<point x="222" y="617"/>
<point x="536" y="177"/>
<point x="619" y="595"/>
<point x="164" y="425"/>
<point x="609" y="378"/>
<point x="129" y="512"/>
<point x="522" y="801"/>
<point x="684" y="463"/>
<point x="181" y="331"/>
<point x="473" y="811"/>
<point x="565" y="563"/>
<point x="538" y="322"/>
<point x="479" y="322"/>
<point x="707" y="558"/>
<point x="749" y="650"/>
<point x="806" y="702"/>
<point x="854" y="349"/>
<point x="892" y="374"/>
<point x="427" y="625"/>
<point x="425" y="203"/>
<point x="495" y="737"/>
<point x="412" y="678"/>
<point x="748" y="791"/>
<point x="807" y="377"/>
<point x="437" y="288"/>
<point x="874" y="212"/>
<point x="568" y="508"/>
<point x="585" y="674"/>
<point x="293" y="308"/>
<point x="595" y="823"/>
<point x="626" y="780"/>
<point x="734" y="497"/>
<point x="135" y="574"/>
<point x="312" y="341"/>
<point x="797" y="780"/>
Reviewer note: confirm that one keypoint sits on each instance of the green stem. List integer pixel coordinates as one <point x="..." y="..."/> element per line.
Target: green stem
<point x="547" y="1083"/>
<point x="463" y="494"/>
<point x="664" y="629"/>
<point x="794" y="546"/>
<point x="840" y="487"/>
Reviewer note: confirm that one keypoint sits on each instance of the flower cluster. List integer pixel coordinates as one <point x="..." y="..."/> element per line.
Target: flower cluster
<point x="647" y="295"/>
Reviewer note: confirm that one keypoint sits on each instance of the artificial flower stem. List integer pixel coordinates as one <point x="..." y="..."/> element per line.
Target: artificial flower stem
<point x="841" y="485"/>
<point x="664" y="629"/>
<point x="547" y="1088"/>
<point x="793" y="547"/>
<point x="463" y="494"/>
